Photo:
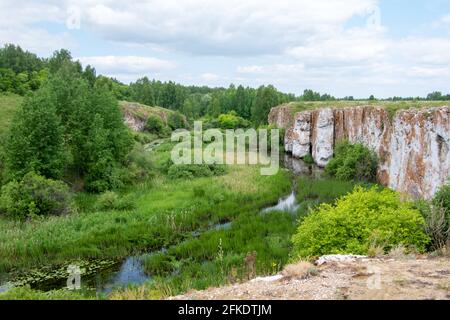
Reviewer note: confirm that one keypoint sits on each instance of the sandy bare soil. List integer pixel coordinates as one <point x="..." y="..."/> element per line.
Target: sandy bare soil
<point x="363" y="279"/>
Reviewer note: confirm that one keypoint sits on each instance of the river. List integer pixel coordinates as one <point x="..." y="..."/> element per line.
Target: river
<point x="130" y="271"/>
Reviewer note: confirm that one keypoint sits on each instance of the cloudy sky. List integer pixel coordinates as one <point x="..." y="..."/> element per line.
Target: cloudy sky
<point x="345" y="47"/>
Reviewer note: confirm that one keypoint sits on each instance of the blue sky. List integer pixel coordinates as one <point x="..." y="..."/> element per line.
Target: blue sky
<point x="346" y="47"/>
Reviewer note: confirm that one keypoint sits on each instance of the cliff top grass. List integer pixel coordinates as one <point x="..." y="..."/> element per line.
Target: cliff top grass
<point x="391" y="106"/>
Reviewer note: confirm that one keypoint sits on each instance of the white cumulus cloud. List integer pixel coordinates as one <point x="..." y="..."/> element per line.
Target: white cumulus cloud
<point x="127" y="64"/>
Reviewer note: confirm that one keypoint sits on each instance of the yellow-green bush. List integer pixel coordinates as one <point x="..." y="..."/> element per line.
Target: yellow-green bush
<point x="358" y="220"/>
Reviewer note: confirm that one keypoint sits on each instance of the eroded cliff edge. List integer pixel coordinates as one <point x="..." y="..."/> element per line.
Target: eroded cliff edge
<point x="413" y="145"/>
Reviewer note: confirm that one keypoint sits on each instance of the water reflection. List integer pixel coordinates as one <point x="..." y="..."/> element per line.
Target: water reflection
<point x="130" y="272"/>
<point x="287" y="204"/>
<point x="299" y="167"/>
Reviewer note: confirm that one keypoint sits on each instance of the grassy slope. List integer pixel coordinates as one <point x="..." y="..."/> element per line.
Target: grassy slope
<point x="142" y="111"/>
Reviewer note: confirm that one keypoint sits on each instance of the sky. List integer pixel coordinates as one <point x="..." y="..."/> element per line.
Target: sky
<point x="344" y="48"/>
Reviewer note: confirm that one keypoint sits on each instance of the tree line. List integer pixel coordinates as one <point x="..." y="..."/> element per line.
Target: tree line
<point x="22" y="72"/>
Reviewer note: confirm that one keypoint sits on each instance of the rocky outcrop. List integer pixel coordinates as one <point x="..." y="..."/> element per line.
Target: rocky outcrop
<point x="413" y="146"/>
<point x="133" y="122"/>
<point x="135" y="115"/>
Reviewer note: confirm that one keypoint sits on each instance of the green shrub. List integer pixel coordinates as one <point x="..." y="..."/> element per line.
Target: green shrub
<point x="308" y="159"/>
<point x="155" y="125"/>
<point x="139" y="164"/>
<point x="437" y="217"/>
<point x="189" y="171"/>
<point x="143" y="137"/>
<point x="353" y="162"/>
<point x="364" y="218"/>
<point x="442" y="199"/>
<point x="35" y="195"/>
<point x="112" y="201"/>
<point x="437" y="226"/>
<point x="157" y="264"/>
<point x="176" y="121"/>
<point x="232" y="121"/>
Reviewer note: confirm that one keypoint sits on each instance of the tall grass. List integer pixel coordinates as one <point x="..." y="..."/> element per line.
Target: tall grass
<point x="222" y="256"/>
<point x="166" y="212"/>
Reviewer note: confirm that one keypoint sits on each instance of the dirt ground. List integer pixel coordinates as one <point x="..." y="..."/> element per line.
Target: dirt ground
<point x="420" y="278"/>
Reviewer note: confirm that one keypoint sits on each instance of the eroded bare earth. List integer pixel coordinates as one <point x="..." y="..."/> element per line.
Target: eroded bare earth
<point x="384" y="278"/>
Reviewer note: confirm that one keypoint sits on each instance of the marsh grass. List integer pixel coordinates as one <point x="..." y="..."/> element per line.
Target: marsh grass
<point x="217" y="256"/>
<point x="26" y="293"/>
<point x="199" y="263"/>
<point x="312" y="192"/>
<point x="166" y="212"/>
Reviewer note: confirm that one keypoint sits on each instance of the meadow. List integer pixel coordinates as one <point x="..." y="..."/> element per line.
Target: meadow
<point x="191" y="233"/>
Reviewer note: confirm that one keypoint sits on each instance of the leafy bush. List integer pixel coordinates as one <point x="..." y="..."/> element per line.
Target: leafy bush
<point x="112" y="201"/>
<point x="35" y="195"/>
<point x="437" y="217"/>
<point x="232" y="121"/>
<point x="139" y="164"/>
<point x="308" y="159"/>
<point x="155" y="125"/>
<point x="353" y="162"/>
<point x="437" y="227"/>
<point x="442" y="199"/>
<point x="195" y="171"/>
<point x="176" y="121"/>
<point x="364" y="218"/>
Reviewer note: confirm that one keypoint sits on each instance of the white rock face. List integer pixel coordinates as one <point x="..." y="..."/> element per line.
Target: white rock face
<point x="323" y="136"/>
<point x="420" y="151"/>
<point x="413" y="148"/>
<point x="301" y="146"/>
<point x="134" y="123"/>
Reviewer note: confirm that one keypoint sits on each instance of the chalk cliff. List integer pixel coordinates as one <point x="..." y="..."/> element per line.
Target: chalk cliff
<point x="413" y="146"/>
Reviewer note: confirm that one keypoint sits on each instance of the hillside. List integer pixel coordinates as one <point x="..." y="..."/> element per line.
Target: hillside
<point x="136" y="114"/>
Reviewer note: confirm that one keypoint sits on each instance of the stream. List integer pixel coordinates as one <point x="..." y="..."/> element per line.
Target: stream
<point x="130" y="271"/>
